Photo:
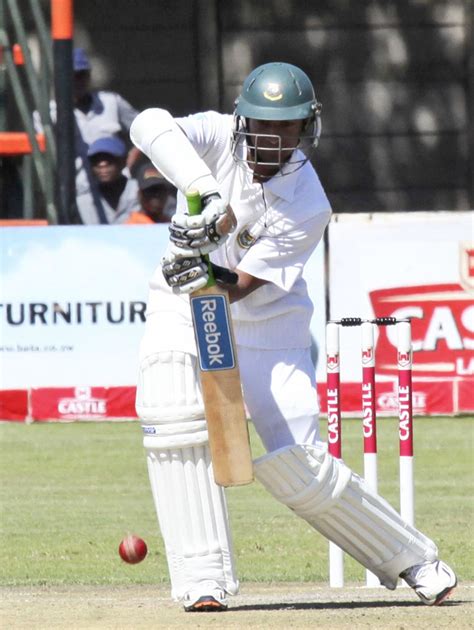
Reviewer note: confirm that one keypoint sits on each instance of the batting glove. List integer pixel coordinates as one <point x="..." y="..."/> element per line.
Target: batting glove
<point x="202" y="233"/>
<point x="184" y="274"/>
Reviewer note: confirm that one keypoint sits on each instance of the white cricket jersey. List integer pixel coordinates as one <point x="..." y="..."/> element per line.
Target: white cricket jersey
<point x="279" y="224"/>
<point x="128" y="202"/>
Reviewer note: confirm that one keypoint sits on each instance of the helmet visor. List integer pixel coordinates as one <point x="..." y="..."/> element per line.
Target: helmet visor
<point x="281" y="152"/>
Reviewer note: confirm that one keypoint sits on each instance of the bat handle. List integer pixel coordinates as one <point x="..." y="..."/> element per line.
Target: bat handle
<point x="193" y="199"/>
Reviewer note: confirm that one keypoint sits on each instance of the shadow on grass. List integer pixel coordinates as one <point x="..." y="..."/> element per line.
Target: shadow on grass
<point x="337" y="605"/>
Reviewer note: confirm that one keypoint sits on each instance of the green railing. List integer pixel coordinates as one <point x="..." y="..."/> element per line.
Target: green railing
<point x="29" y="83"/>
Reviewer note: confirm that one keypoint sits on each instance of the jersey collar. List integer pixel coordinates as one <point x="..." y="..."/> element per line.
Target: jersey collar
<point x="284" y="186"/>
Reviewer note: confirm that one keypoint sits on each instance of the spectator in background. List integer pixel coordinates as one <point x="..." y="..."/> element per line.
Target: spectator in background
<point x="157" y="197"/>
<point x="117" y="194"/>
<point x="97" y="114"/>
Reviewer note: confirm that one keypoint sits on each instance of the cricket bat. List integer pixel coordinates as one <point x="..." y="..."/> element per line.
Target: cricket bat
<point x="220" y="378"/>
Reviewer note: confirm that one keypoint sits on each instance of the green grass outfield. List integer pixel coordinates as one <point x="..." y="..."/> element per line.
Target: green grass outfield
<point x="70" y="492"/>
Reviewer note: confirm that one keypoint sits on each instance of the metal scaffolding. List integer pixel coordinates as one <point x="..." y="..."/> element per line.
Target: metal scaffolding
<point x="29" y="82"/>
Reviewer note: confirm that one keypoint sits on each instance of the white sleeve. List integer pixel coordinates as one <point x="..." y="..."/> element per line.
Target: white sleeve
<point x="280" y="259"/>
<point x="208" y="132"/>
<point x="156" y="133"/>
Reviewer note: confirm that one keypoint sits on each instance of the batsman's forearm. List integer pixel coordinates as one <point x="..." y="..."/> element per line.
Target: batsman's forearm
<point x="245" y="285"/>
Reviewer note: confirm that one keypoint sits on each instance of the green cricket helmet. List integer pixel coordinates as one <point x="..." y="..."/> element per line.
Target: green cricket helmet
<point x="277" y="91"/>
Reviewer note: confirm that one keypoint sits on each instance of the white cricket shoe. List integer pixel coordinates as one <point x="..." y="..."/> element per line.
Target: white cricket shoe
<point x="432" y="581"/>
<point x="207" y="596"/>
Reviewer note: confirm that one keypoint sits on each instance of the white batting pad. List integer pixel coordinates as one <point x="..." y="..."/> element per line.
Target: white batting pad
<point x="193" y="519"/>
<point x="169" y="402"/>
<point x="338" y="503"/>
<point x="191" y="508"/>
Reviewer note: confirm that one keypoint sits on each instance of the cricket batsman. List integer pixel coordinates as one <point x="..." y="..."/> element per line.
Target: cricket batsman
<point x="265" y="211"/>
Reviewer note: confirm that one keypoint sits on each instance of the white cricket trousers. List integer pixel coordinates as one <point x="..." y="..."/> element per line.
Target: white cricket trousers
<point x="280" y="394"/>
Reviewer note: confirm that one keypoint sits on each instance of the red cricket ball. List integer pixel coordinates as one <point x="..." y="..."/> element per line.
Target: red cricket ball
<point x="132" y="549"/>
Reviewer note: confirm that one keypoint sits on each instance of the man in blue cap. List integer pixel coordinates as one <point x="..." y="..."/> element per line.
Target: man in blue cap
<point x="116" y="193"/>
<point x="97" y="114"/>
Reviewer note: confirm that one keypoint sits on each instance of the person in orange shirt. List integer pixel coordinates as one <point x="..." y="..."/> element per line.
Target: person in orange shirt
<point x="157" y="197"/>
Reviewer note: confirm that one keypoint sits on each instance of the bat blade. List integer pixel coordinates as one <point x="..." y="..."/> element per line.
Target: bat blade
<point x="220" y="379"/>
